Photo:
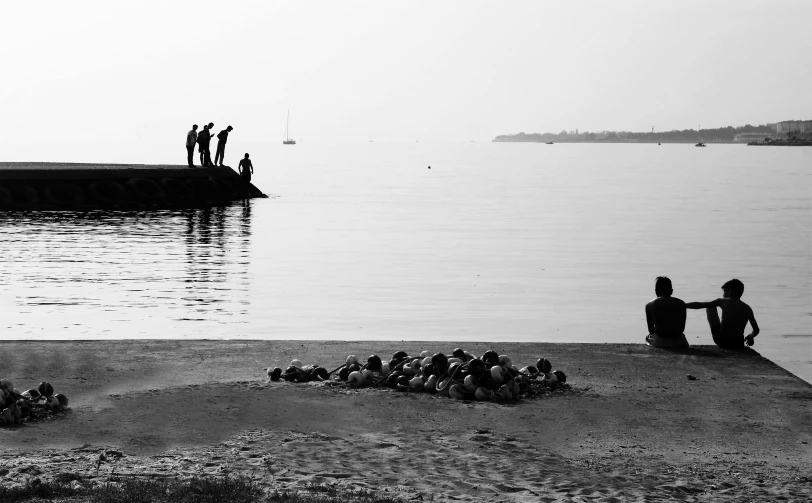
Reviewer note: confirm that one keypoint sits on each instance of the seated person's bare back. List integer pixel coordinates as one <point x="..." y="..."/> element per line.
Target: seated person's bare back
<point x="665" y="317"/>
<point x="728" y="333"/>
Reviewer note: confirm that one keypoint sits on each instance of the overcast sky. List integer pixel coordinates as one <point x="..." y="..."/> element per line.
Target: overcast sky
<point x="109" y="73"/>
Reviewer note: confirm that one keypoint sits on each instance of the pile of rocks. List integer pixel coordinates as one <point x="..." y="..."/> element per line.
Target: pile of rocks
<point x="491" y="377"/>
<point x="35" y="403"/>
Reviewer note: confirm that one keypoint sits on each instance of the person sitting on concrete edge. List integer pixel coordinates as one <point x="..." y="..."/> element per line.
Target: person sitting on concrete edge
<point x="666" y="317"/>
<point x="222" y="138"/>
<point x="191" y="139"/>
<point x="729" y="332"/>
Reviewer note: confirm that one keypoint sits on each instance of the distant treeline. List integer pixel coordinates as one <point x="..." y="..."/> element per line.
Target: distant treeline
<point x="724" y="134"/>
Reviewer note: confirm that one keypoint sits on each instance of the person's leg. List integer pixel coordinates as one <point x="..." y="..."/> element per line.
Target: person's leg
<point x="218" y="156"/>
<point x="190" y="151"/>
<point x="715" y="327"/>
<point x="202" y="151"/>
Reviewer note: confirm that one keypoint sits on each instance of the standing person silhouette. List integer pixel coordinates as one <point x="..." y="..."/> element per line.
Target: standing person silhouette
<point x="222" y="138"/>
<point x="246" y="169"/>
<point x="191" y="139"/>
<point x="204" y="140"/>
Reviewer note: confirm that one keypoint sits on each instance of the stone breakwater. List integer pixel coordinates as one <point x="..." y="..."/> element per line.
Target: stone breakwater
<point x="69" y="186"/>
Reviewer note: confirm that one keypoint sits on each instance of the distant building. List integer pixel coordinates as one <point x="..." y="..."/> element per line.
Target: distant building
<point x="785" y="127"/>
<point x="748" y="137"/>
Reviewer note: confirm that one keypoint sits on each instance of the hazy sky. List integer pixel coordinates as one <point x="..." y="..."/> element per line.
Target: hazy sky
<point x="110" y="75"/>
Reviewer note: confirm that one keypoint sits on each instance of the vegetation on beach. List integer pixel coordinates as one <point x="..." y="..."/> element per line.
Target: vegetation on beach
<point x="194" y="490"/>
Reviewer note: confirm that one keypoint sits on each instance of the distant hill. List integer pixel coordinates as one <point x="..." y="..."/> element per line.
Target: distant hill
<point x="720" y="135"/>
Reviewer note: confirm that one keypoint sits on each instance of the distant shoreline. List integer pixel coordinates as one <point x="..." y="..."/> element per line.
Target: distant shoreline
<point x="714" y="142"/>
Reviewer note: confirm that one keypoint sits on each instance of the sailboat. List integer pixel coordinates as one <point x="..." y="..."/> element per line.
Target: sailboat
<point x="288" y="140"/>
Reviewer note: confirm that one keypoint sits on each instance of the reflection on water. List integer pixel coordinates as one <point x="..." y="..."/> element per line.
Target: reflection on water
<point x="123" y="274"/>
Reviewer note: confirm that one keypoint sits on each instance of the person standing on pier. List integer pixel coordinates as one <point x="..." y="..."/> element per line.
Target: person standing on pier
<point x="246" y="169"/>
<point x="222" y="138"/>
<point x="204" y="140"/>
<point x="191" y="139"/>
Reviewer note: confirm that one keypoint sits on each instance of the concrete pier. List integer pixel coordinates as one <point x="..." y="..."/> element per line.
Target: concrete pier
<point x="79" y="186"/>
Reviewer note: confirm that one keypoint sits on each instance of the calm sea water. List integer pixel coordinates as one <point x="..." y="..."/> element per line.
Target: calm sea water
<point x="496" y="242"/>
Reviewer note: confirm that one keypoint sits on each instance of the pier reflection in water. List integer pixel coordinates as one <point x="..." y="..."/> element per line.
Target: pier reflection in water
<point x="163" y="274"/>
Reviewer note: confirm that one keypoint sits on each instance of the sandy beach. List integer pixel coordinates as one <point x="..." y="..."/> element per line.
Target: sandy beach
<point x="632" y="425"/>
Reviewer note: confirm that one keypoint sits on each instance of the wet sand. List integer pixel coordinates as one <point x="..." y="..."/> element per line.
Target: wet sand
<point x="633" y="425"/>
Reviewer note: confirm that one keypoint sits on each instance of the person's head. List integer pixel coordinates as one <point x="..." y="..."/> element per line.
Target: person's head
<point x="662" y="286"/>
<point x="246" y="155"/>
<point x="194" y="127"/>
<point x="211" y="125"/>
<point x="733" y="289"/>
<point x="229" y="128"/>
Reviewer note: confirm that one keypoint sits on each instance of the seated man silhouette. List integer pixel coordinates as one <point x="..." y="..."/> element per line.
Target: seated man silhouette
<point x="665" y="316"/>
<point x="729" y="332"/>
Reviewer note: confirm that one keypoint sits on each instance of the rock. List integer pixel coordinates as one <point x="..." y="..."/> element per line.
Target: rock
<point x="690" y="377"/>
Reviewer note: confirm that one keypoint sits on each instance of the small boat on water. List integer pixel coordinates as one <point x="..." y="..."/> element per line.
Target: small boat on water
<point x="549" y="143"/>
<point x="288" y="140"/>
<point x="700" y="144"/>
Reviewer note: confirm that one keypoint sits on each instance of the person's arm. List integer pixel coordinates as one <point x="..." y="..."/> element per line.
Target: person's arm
<point x="754" y="325"/>
<point x="702" y="305"/>
<point x="650" y="318"/>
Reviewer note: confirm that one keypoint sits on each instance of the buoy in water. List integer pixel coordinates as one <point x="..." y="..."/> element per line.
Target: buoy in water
<point x="550" y="378"/>
<point x="62" y="399"/>
<point x="352" y="359"/>
<point x="562" y="377"/>
<point x="427" y="370"/>
<point x="275" y="374"/>
<point x="385" y="368"/>
<point x="344" y="373"/>
<point x="425" y="354"/>
<point x="296" y="363"/>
